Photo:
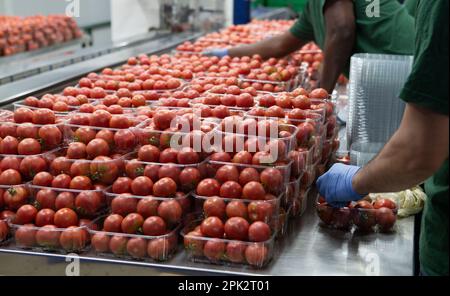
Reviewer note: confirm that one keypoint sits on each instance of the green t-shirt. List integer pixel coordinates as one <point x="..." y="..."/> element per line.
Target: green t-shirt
<point x="390" y="33"/>
<point x="427" y="86"/>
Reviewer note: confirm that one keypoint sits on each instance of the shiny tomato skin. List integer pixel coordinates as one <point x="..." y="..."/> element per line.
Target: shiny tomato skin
<point x="214" y="206"/>
<point x="118" y="245"/>
<point x="25" y="236"/>
<point x="73" y="239"/>
<point x="236" y="228"/>
<point x="214" y="250"/>
<point x="132" y="223"/>
<point x="44" y="217"/>
<point x="208" y="187"/>
<point x="137" y="247"/>
<point x="170" y="211"/>
<point x="259" y="232"/>
<point x="235" y="252"/>
<point x="65" y="218"/>
<point x="256" y="255"/>
<point x="100" y="242"/>
<point x="212" y="227"/>
<point x="154" y="226"/>
<point x="48" y="237"/>
<point x="158" y="249"/>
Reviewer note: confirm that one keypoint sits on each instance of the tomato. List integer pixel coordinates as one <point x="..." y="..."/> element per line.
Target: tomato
<point x="220" y="112"/>
<point x="10" y="162"/>
<point x="76" y="150"/>
<point x="100" y="118"/>
<point x="364" y="219"/>
<point x="65" y="217"/>
<point x="168" y="155"/>
<point x="385" y="219"/>
<point x="248" y="175"/>
<point x="236" y="228"/>
<point x="267" y="101"/>
<point x="25" y="236"/>
<point x="150" y="170"/>
<point x="25" y="215"/>
<point x="27" y="130"/>
<point x="158" y="249"/>
<point x="142" y="186"/>
<point x="260" y="211"/>
<point x="65" y="200"/>
<point x="15" y="197"/>
<point x="319" y="93"/>
<point x="9" y="145"/>
<point x="169" y="171"/>
<point x="227" y="173"/>
<point x="193" y="244"/>
<point x="245" y="101"/>
<point x="170" y="211"/>
<point x="50" y="136"/>
<point x="81" y="183"/>
<point x="256" y="255"/>
<point x="104" y="170"/>
<point x="342" y="218"/>
<point x="272" y="180"/>
<point x="189" y="178"/>
<point x="165" y="187"/>
<point x="236" y="209"/>
<point x="154" y="226"/>
<point x="45" y="199"/>
<point x="208" y="187"/>
<point x="4" y="230"/>
<point x="100" y="242"/>
<point x="122" y="185"/>
<point x="43" y="179"/>
<point x="113" y="223"/>
<point x="80" y="168"/>
<point x="84" y="135"/>
<point x="31" y="165"/>
<point x="31" y="102"/>
<point x="73" y="239"/>
<point x="118" y="245"/>
<point x="62" y="181"/>
<point x="221" y="157"/>
<point x="97" y="147"/>
<point x="48" y="237"/>
<point x="44" y="116"/>
<point x="45" y="217"/>
<point x="384" y="203"/>
<point x="10" y="177"/>
<point x="88" y="203"/>
<point x="284" y="102"/>
<point x="187" y="155"/>
<point x="106" y="135"/>
<point x="125" y="139"/>
<point x="137" y="247"/>
<point x="123" y="205"/>
<point x="132" y="223"/>
<point x="302" y="102"/>
<point x="362" y="204"/>
<point x="163" y="119"/>
<point x="134" y="168"/>
<point x="7" y="215"/>
<point x="259" y="232"/>
<point x="212" y="227"/>
<point x="242" y="157"/>
<point x="231" y="189"/>
<point x="254" y="191"/>
<point x="148" y="153"/>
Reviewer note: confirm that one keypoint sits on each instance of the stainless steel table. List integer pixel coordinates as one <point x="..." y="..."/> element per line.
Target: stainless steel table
<point x="308" y="249"/>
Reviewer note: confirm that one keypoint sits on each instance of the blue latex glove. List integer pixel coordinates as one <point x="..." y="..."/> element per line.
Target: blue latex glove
<point x="219" y="52"/>
<point x="336" y="185"/>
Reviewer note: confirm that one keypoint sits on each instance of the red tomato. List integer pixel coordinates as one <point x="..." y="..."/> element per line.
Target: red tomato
<point x="168" y="155"/>
<point x="137" y="247"/>
<point x="76" y="150"/>
<point x="154" y="226"/>
<point x="384" y="203"/>
<point x="187" y="155"/>
<point x="15" y="197"/>
<point x="10" y="162"/>
<point x="65" y="217"/>
<point x="84" y="135"/>
<point x="48" y="237"/>
<point x="106" y="135"/>
<point x="104" y="170"/>
<point x="147" y="207"/>
<point x="193" y="243"/>
<point x="385" y="219"/>
<point x="97" y="147"/>
<point x="61" y="181"/>
<point x="65" y="200"/>
<point x="242" y="157"/>
<point x="100" y="242"/>
<point x="125" y="140"/>
<point x="254" y="191"/>
<point x="60" y="165"/>
<point x="50" y="136"/>
<point x="165" y="187"/>
<point x="259" y="232"/>
<point x="118" y="245"/>
<point x="214" y="206"/>
<point x="100" y="118"/>
<point x="88" y="203"/>
<point x="236" y="209"/>
<point x="272" y="179"/>
<point x="4" y="230"/>
<point x="113" y="223"/>
<point x="158" y="249"/>
<point x="214" y="250"/>
<point x="248" y="175"/>
<point x="27" y="130"/>
<point x="43" y="179"/>
<point x="170" y="211"/>
<point x="212" y="227"/>
<point x="256" y="255"/>
<point x="235" y="252"/>
<point x="81" y="183"/>
<point x="169" y="171"/>
<point x="208" y="187"/>
<point x="132" y="223"/>
<point x="123" y="205"/>
<point x="80" y="168"/>
<point x="9" y="145"/>
<point x="122" y="185"/>
<point x="44" y="116"/>
<point x="25" y="236"/>
<point x="189" y="178"/>
<point x="134" y="168"/>
<point x="319" y="93"/>
<point x="236" y="228"/>
<point x="231" y="189"/>
<point x="45" y="199"/>
<point x="163" y="119"/>
<point x="148" y="153"/>
<point x="73" y="239"/>
<point x="10" y="177"/>
<point x="25" y="215"/>
<point x="227" y="173"/>
<point x="142" y="186"/>
<point x="260" y="211"/>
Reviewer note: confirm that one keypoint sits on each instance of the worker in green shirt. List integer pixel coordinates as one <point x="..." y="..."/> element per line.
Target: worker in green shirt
<point x="420" y="147"/>
<point x="341" y="28"/>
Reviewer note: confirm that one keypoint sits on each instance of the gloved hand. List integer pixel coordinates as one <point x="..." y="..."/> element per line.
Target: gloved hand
<point x="336" y="185"/>
<point x="219" y="52"/>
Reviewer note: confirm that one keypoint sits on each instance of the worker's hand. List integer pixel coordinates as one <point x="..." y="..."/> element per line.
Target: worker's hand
<point x="219" y="52"/>
<point x="336" y="185"/>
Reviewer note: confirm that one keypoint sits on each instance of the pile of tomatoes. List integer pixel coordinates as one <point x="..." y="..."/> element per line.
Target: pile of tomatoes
<point x="30" y="33"/>
<point x="366" y="215"/>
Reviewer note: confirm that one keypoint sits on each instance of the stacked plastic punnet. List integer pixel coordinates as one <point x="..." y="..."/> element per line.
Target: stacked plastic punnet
<point x="31" y="33"/>
<point x="222" y="151"/>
